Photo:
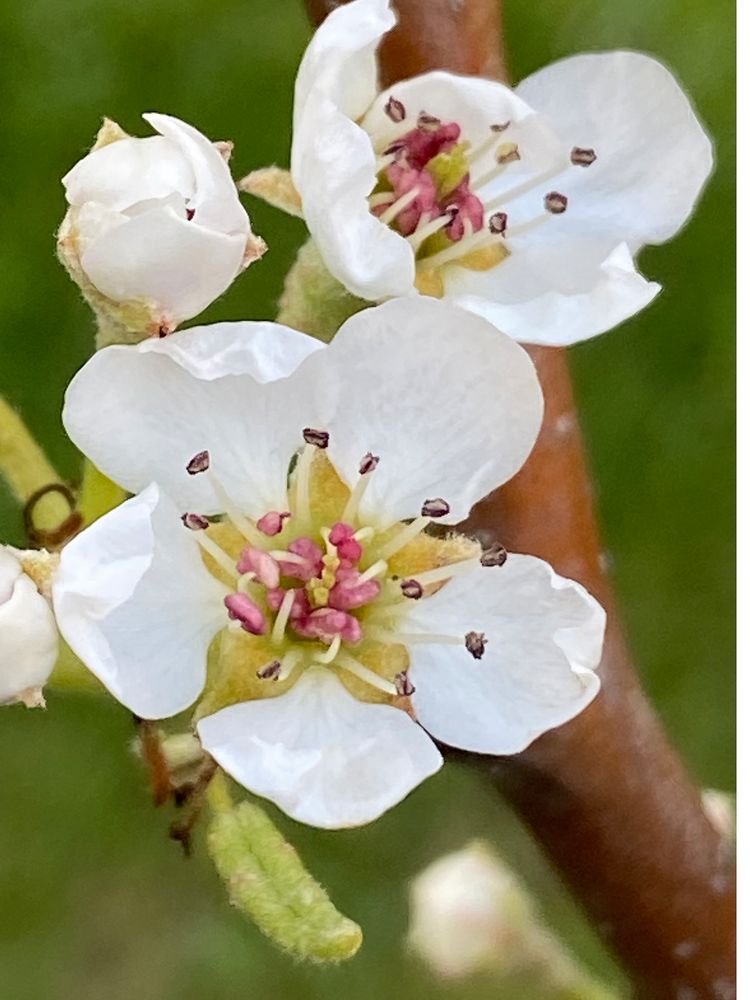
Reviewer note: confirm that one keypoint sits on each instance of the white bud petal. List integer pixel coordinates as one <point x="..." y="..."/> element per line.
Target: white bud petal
<point x="463" y="906"/>
<point x="28" y="635"/>
<point x="155" y="230"/>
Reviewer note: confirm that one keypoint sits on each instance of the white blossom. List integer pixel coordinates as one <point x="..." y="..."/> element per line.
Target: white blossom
<point x="28" y="635"/>
<point x="155" y="227"/>
<point x="525" y="205"/>
<point x="334" y="619"/>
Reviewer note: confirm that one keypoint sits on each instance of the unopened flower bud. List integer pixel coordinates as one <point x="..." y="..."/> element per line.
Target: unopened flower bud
<point x="155" y="230"/>
<point x="28" y="634"/>
<point x="469" y="913"/>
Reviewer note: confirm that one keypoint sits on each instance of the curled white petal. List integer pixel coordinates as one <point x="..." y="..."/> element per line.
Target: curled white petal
<point x="334" y="172"/>
<point x="653" y="154"/>
<point x="321" y="755"/>
<point x="28" y="635"/>
<point x="451" y="407"/>
<point x="599" y="295"/>
<point x="544" y="642"/>
<point x="339" y="63"/>
<point x="200" y="389"/>
<point x="135" y="603"/>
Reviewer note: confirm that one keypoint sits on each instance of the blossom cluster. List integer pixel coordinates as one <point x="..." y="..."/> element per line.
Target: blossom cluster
<point x="289" y="564"/>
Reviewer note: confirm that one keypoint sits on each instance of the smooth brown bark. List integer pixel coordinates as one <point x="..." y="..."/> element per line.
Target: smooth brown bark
<point x="606" y="794"/>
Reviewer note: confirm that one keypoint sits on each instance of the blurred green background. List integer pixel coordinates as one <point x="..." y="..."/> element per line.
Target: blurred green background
<point x="95" y="902"/>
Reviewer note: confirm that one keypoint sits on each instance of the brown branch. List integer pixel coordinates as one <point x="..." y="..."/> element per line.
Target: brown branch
<point x="606" y="794"/>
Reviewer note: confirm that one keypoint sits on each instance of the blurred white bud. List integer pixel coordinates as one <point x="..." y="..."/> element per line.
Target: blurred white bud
<point x="720" y="807"/>
<point x="468" y="913"/>
<point x="155" y="230"/>
<point x="28" y="634"/>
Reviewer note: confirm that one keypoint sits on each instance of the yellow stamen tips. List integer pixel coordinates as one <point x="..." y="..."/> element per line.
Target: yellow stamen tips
<point x="318" y="595"/>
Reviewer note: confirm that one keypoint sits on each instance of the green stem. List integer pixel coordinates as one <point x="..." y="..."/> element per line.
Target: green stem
<point x="27" y="470"/>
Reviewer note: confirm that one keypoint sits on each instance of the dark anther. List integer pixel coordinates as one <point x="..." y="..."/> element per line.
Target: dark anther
<point x="196" y="522"/>
<point x="428" y="123"/>
<point x="318" y="438"/>
<point x="582" y="157"/>
<point x="476" y="643"/>
<point x="190" y="213"/>
<point x="500" y="126"/>
<point x="412" y="589"/>
<point x="494" y="555"/>
<point x="198" y="463"/>
<point x="368" y="464"/>
<point x="555" y="203"/>
<point x="498" y="223"/>
<point x="395" y="110"/>
<point x="270" y="672"/>
<point x="398" y="146"/>
<point x="435" y="508"/>
<point x="56" y="537"/>
<point x="508" y="153"/>
<point x="403" y="685"/>
<point x="164" y="330"/>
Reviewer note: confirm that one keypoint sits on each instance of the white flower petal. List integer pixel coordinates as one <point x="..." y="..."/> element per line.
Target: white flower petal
<point x="544" y="641"/>
<point x="166" y="400"/>
<point x="159" y="256"/>
<point x="333" y="168"/>
<point x="321" y="755"/>
<point x="339" y="63"/>
<point x="135" y="602"/>
<point x="653" y="155"/>
<point x="28" y="635"/>
<point x="451" y="406"/>
<point x="216" y="201"/>
<point x="599" y="294"/>
<point x="128" y="171"/>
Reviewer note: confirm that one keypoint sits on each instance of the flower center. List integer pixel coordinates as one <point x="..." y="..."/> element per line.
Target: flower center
<point x="315" y="585"/>
<point x="440" y="193"/>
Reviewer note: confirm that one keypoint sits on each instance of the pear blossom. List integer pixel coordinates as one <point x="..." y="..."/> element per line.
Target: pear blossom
<point x="282" y="530"/>
<point x="28" y="635"/>
<point x="155" y="230"/>
<point x="526" y="205"/>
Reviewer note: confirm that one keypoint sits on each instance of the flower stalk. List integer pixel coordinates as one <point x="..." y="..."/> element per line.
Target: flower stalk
<point x="267" y="880"/>
<point x="27" y="470"/>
